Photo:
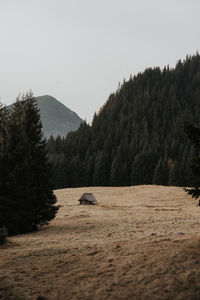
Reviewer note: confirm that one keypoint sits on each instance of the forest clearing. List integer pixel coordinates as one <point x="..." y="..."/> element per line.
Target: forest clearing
<point x="139" y="242"/>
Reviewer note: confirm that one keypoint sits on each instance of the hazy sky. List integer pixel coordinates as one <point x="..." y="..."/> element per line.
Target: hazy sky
<point x="79" y="50"/>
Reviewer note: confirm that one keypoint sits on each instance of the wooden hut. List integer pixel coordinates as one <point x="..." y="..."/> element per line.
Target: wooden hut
<point x="87" y="199"/>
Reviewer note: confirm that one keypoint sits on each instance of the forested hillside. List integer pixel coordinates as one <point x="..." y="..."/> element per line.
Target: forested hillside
<point x="137" y="137"/>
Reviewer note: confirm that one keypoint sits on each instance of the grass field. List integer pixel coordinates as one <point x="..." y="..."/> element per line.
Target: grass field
<point x="139" y="242"/>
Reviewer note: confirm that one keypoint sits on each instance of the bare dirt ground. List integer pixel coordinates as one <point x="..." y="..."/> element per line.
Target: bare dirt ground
<point x="139" y="242"/>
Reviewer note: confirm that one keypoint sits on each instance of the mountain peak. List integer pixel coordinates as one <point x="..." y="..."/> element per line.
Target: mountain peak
<point x="56" y="118"/>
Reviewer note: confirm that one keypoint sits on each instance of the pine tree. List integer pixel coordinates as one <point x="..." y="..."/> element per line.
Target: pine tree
<point x="101" y="174"/>
<point x="115" y="172"/>
<point x="6" y="204"/>
<point x="175" y="175"/>
<point x="28" y="185"/>
<point x="139" y="173"/>
<point x="194" y="135"/>
<point x="161" y="173"/>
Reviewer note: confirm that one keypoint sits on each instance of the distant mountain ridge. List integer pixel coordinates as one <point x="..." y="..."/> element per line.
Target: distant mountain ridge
<point x="56" y="118"/>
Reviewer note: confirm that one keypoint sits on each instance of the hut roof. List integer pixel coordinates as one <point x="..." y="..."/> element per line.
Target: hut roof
<point x="89" y="197"/>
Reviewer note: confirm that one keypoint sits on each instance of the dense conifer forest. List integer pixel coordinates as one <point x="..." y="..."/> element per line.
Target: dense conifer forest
<point x="137" y="137"/>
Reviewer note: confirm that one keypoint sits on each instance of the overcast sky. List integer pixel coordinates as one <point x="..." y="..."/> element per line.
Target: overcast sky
<point x="79" y="50"/>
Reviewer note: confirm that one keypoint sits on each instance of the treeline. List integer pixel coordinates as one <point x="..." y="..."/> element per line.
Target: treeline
<point x="137" y="136"/>
<point x="26" y="196"/>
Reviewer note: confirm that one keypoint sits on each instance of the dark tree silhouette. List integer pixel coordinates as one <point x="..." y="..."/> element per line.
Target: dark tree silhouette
<point x="26" y="192"/>
<point x="194" y="135"/>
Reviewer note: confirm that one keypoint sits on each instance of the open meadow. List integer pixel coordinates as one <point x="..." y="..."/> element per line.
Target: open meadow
<point x="140" y="242"/>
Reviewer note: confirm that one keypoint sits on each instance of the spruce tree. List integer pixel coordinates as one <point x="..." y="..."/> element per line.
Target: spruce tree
<point x="6" y="204"/>
<point x="28" y="186"/>
<point x="176" y="175"/>
<point x="161" y="173"/>
<point x="101" y="174"/>
<point x="115" y="172"/>
<point x="194" y="135"/>
<point x="139" y="171"/>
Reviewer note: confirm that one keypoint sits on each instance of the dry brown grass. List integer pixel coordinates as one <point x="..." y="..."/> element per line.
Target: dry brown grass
<point x="138" y="243"/>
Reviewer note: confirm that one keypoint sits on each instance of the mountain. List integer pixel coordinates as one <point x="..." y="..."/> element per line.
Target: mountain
<point x="56" y="118"/>
<point x="137" y="137"/>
